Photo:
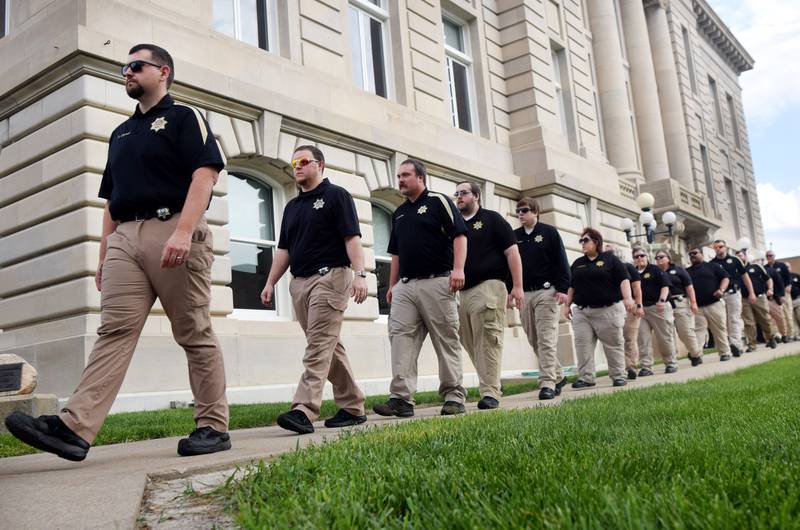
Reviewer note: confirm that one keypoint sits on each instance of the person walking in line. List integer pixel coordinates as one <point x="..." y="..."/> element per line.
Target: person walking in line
<point x="710" y="283"/>
<point x="601" y="291"/>
<point x="492" y="259"/>
<point x="782" y="269"/>
<point x="657" y="320"/>
<point x="320" y="240"/>
<point x="776" y="301"/>
<point x="428" y="245"/>
<point x="761" y="285"/>
<point x="795" y="295"/>
<point x="732" y="298"/>
<point x="630" y="330"/>
<point x="546" y="277"/>
<point x="684" y="305"/>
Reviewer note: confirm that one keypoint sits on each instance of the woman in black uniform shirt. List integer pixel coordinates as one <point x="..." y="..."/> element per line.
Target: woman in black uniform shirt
<point x="684" y="305"/>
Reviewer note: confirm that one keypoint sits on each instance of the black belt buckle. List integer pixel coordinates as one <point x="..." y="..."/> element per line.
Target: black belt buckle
<point x="163" y="214"/>
<point x="323" y="271"/>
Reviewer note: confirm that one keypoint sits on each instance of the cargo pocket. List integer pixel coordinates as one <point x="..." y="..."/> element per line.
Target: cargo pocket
<point x="337" y="303"/>
<point x="198" y="273"/>
<point x="493" y="322"/>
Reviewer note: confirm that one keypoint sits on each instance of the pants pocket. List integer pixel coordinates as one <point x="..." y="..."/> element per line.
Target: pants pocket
<point x="198" y="273"/>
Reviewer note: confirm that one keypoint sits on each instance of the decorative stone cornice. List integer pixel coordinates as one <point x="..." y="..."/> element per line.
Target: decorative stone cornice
<point x="718" y="33"/>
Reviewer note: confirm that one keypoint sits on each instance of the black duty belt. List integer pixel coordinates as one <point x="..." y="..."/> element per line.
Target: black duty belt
<point x="596" y="306"/>
<point x="322" y="271"/>
<point x="162" y="214"/>
<point x="426" y="277"/>
<point x="732" y="290"/>
<point x="538" y="287"/>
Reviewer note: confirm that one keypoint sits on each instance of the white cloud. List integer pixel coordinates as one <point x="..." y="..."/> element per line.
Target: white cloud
<point x="780" y="215"/>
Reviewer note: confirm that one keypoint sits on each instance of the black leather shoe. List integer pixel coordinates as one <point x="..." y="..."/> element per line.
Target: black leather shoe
<point x="785" y="340"/>
<point x="344" y="419"/>
<point x="724" y="357"/>
<point x="451" y="408"/>
<point x="561" y="384"/>
<point x="644" y="372"/>
<point x="47" y="433"/>
<point x="580" y="383"/>
<point x="395" y="407"/>
<point x="696" y="361"/>
<point x="547" y="393"/>
<point x="296" y="421"/>
<point x="750" y="348"/>
<point x="619" y="382"/>
<point x="670" y="369"/>
<point x="736" y="351"/>
<point x="631" y="374"/>
<point x="487" y="403"/>
<point x="772" y="343"/>
<point x="203" y="441"/>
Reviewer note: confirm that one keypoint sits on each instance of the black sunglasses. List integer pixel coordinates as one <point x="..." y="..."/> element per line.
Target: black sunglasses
<point x="137" y="65"/>
<point x="584" y="240"/>
<point x="523" y="210"/>
<point x="640" y="256"/>
<point x="694" y="252"/>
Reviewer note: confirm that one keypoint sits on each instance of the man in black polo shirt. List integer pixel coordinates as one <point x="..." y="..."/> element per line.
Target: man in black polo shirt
<point x="776" y="302"/>
<point x="320" y="239"/>
<point x="545" y="278"/>
<point x="761" y="285"/>
<point x="710" y="283"/>
<point x="162" y="165"/>
<point x="492" y="259"/>
<point x="428" y="245"/>
<point x="658" y="319"/>
<point x="786" y="306"/>
<point x="732" y="299"/>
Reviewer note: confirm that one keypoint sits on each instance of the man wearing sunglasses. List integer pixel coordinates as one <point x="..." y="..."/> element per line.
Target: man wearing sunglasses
<point x="545" y="279"/>
<point x="162" y="165"/>
<point x="758" y="313"/>
<point x="492" y="260"/>
<point x="710" y="283"/>
<point x="732" y="298"/>
<point x="320" y="240"/>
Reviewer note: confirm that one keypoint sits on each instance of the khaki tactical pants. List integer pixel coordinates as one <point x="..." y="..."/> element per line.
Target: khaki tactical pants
<point x="539" y="318"/>
<point x="419" y="308"/>
<point x="630" y="334"/>
<point x="684" y="327"/>
<point x="733" y="313"/>
<point x="319" y="304"/>
<point x="796" y="311"/>
<point x="712" y="318"/>
<point x="132" y="279"/>
<point x="776" y="312"/>
<point x="662" y="326"/>
<point x="482" y="316"/>
<point x="604" y="324"/>
<point x="788" y="317"/>
<point x="758" y="312"/>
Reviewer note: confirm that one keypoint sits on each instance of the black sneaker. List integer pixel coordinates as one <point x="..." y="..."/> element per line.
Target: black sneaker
<point x="619" y="382"/>
<point x="724" y="357"/>
<point x="772" y="343"/>
<point x="47" y="433"/>
<point x="580" y="383"/>
<point x="736" y="351"/>
<point x="561" y="384"/>
<point x="631" y="374"/>
<point x="750" y="348"/>
<point x="295" y="421"/>
<point x="344" y="419"/>
<point x="203" y="441"/>
<point x="644" y="372"/>
<point x="696" y="361"/>
<point x="785" y="340"/>
<point x="453" y="407"/>
<point x="488" y="403"/>
<point x="395" y="407"/>
<point x="547" y="393"/>
<point x="670" y="369"/>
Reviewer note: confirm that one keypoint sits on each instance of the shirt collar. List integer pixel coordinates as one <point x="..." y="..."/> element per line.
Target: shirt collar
<point x="165" y="103"/>
<point x="422" y="197"/>
<point x="316" y="191"/>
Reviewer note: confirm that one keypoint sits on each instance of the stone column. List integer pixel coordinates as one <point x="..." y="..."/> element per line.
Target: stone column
<point x="652" y="144"/>
<point x="610" y="67"/>
<point x="669" y="94"/>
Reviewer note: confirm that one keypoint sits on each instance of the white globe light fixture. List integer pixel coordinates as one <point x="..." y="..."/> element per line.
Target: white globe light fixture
<point x="743" y="243"/>
<point x="645" y="201"/>
<point x="626" y="223"/>
<point x="669" y="218"/>
<point x="646" y="219"/>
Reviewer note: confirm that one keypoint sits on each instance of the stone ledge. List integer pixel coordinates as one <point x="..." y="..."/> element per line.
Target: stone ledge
<point x="32" y="404"/>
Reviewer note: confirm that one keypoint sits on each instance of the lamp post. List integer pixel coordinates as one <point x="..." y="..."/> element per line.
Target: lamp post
<point x="647" y="220"/>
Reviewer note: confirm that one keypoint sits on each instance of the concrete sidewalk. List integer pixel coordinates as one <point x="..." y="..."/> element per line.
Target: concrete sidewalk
<point x="105" y="491"/>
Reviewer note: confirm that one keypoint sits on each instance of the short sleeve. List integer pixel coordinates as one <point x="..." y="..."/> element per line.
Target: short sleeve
<point x="663" y="281"/>
<point x="391" y="248"/>
<point x="720" y="273"/>
<point x="618" y="270"/>
<point x="106" y="185"/>
<point x="347" y="217"/>
<point x="197" y="144"/>
<point x="503" y="233"/>
<point x="686" y="280"/>
<point x="283" y="239"/>
<point x="451" y="219"/>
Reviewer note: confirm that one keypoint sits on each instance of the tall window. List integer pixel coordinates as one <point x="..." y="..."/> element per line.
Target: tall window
<point x="749" y="209"/>
<point x="709" y="179"/>
<point x="5" y="16"/>
<point x="712" y="87"/>
<point x="458" y="72"/>
<point x="598" y="112"/>
<point x="367" y="30"/>
<point x="252" y="227"/>
<point x="382" y="228"/>
<point x="245" y="20"/>
<point x="734" y="210"/>
<point x="620" y="34"/>
<point x="689" y="59"/>
<point x="562" y="93"/>
<point x="734" y="121"/>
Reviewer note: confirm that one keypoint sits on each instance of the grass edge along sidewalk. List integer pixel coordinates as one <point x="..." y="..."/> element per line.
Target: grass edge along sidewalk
<point x="721" y="452"/>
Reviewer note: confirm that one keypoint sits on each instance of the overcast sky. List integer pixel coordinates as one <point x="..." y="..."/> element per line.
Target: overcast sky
<point x="770" y="31"/>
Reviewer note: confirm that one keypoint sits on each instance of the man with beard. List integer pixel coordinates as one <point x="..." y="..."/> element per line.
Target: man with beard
<point x="492" y="259"/>
<point x="428" y="245"/>
<point x="710" y="283"/>
<point x="162" y="165"/>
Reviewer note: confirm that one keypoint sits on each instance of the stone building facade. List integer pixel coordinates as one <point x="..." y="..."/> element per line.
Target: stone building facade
<point x="583" y="104"/>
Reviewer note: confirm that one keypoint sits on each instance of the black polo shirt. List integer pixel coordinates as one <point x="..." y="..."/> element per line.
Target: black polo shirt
<point x="596" y="283"/>
<point x="795" y="285"/>
<point x="778" y="287"/>
<point x="488" y="237"/>
<point x="759" y="278"/>
<point x="679" y="280"/>
<point x="653" y="280"/>
<point x="544" y="259"/>
<point x="633" y="273"/>
<point x="152" y="156"/>
<point x="735" y="268"/>
<point x="706" y="277"/>
<point x="422" y="234"/>
<point x="781" y="268"/>
<point x="314" y="226"/>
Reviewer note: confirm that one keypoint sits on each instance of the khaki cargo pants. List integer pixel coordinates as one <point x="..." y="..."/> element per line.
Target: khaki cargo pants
<point x="630" y="334"/>
<point x="539" y="318"/>
<point x="776" y="312"/>
<point x="319" y="304"/>
<point x="604" y="324"/>
<point x="758" y="312"/>
<point x="662" y="326"/>
<point x="788" y="316"/>
<point x="419" y="308"/>
<point x="796" y="311"/>
<point x="132" y="279"/>
<point x="712" y="317"/>
<point x="684" y="327"/>
<point x="482" y="316"/>
<point x="733" y="313"/>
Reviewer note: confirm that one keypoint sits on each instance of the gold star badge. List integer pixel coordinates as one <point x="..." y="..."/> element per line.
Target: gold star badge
<point x="158" y="124"/>
<point x="646" y="275"/>
<point x="600" y="263"/>
<point x="319" y="203"/>
<point x="477" y="225"/>
<point x="538" y="238"/>
<point x="422" y="209"/>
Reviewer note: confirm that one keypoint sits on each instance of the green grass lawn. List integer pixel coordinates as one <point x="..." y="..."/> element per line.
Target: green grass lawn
<point x="717" y="453"/>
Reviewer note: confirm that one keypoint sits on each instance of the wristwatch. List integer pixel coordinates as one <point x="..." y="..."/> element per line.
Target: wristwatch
<point x="638" y="306"/>
<point x="660" y="301"/>
<point x="363" y="274"/>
